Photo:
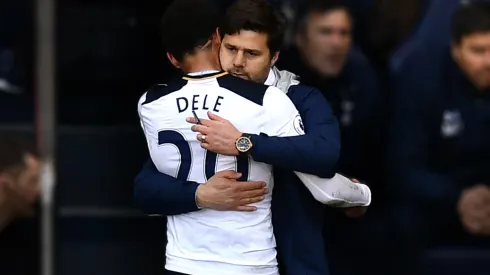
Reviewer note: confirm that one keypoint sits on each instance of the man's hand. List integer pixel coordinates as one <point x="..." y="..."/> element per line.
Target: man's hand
<point x="17" y="200"/>
<point x="220" y="134"/>
<point x="355" y="212"/>
<point x="223" y="192"/>
<point x="474" y="209"/>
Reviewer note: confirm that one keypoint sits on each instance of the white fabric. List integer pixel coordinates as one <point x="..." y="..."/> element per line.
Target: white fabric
<point x="209" y="242"/>
<point x="338" y="191"/>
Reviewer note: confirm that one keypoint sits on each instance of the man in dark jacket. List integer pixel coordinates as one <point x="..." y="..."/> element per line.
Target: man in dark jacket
<point x="440" y="150"/>
<point x="324" y="58"/>
<point x="249" y="51"/>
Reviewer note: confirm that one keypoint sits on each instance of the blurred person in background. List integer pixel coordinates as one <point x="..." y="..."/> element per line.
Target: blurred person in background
<point x="19" y="179"/>
<point x="19" y="190"/>
<point x="324" y="57"/>
<point x="439" y="153"/>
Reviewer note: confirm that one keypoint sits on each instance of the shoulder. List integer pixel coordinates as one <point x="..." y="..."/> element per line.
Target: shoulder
<point x="277" y="102"/>
<point x="302" y="90"/>
<point x="249" y="90"/>
<point x="160" y="90"/>
<point x="300" y="93"/>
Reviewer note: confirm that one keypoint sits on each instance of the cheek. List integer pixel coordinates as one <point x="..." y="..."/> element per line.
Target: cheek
<point x="258" y="69"/>
<point x="316" y="46"/>
<point x="254" y="67"/>
<point x="225" y="61"/>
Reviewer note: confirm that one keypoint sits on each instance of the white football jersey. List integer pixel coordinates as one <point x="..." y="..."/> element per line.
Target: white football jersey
<point x="209" y="242"/>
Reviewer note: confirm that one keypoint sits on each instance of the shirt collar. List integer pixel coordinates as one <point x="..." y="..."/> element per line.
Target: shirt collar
<point x="271" y="78"/>
<point x="203" y="72"/>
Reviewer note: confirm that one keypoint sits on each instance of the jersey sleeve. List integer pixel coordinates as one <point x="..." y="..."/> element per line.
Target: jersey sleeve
<point x="145" y="123"/>
<point x="283" y="119"/>
<point x="140" y="104"/>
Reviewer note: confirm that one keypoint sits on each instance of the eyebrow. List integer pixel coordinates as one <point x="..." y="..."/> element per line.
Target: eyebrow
<point x="245" y="49"/>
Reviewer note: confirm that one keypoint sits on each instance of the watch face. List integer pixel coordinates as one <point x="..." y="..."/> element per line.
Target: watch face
<point x="243" y="144"/>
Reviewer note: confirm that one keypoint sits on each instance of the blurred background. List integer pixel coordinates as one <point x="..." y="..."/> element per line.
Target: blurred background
<point x="106" y="53"/>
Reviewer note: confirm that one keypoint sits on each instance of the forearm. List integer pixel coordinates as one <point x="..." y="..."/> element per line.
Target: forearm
<point x="311" y="154"/>
<point x="338" y="191"/>
<point x="158" y="193"/>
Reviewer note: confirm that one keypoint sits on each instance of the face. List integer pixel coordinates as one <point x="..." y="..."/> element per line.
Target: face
<point x="473" y="56"/>
<point x="22" y="188"/>
<point x="325" y="41"/>
<point x="246" y="55"/>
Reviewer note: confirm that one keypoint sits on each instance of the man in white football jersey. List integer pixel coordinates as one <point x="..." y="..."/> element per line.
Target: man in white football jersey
<point x="210" y="242"/>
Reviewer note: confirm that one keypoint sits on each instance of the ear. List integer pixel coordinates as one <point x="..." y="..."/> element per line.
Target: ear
<point x="173" y="60"/>
<point x="218" y="36"/>
<point x="275" y="58"/>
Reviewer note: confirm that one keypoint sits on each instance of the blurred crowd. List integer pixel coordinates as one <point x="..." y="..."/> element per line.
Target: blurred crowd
<point x="409" y="81"/>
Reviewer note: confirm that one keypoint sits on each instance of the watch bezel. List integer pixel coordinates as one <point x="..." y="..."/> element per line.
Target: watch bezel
<point x="249" y="142"/>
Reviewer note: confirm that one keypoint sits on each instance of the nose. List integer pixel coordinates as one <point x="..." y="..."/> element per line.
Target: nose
<point x="239" y="60"/>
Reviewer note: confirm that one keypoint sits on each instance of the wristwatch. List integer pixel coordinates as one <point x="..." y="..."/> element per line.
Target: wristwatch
<point x="244" y="144"/>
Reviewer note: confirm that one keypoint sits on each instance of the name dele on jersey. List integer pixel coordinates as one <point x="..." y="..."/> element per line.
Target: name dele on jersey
<point x="197" y="103"/>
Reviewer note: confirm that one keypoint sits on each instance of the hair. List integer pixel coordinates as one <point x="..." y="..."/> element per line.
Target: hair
<point x="258" y="16"/>
<point x="188" y="25"/>
<point x="470" y="19"/>
<point x="13" y="150"/>
<point x="308" y="7"/>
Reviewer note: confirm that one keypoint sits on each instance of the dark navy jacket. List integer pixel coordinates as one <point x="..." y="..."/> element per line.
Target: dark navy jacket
<point x="297" y="217"/>
<point x="357" y="103"/>
<point x="440" y="133"/>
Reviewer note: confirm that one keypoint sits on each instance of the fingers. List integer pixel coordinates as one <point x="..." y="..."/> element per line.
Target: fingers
<point x="193" y="120"/>
<point x="254" y="194"/>
<point x="356" y="181"/>
<point x="246" y="208"/>
<point x="251" y="200"/>
<point x="228" y="174"/>
<point x="250" y="185"/>
<point x="355" y="212"/>
<point x="215" y="117"/>
<point x="200" y="128"/>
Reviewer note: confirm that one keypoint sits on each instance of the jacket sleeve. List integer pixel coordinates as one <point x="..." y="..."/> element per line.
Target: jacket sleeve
<point x="316" y="152"/>
<point x="412" y="177"/>
<point x="158" y="193"/>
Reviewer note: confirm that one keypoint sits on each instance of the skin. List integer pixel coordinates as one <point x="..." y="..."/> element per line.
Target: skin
<point x="20" y="189"/>
<point x="247" y="55"/>
<point x="472" y="54"/>
<point x="325" y="41"/>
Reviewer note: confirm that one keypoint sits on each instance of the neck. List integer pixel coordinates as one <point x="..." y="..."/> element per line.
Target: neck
<point x="201" y="62"/>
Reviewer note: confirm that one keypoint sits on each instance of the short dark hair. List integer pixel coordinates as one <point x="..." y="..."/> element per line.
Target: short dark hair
<point x="308" y="7"/>
<point x="13" y="150"/>
<point x="470" y="19"/>
<point x="187" y="25"/>
<point x="259" y="16"/>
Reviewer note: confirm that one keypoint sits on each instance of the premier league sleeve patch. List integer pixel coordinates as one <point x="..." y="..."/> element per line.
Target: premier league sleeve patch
<point x="298" y="125"/>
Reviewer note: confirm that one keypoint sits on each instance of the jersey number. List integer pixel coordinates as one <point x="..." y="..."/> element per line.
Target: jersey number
<point x="177" y="139"/>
